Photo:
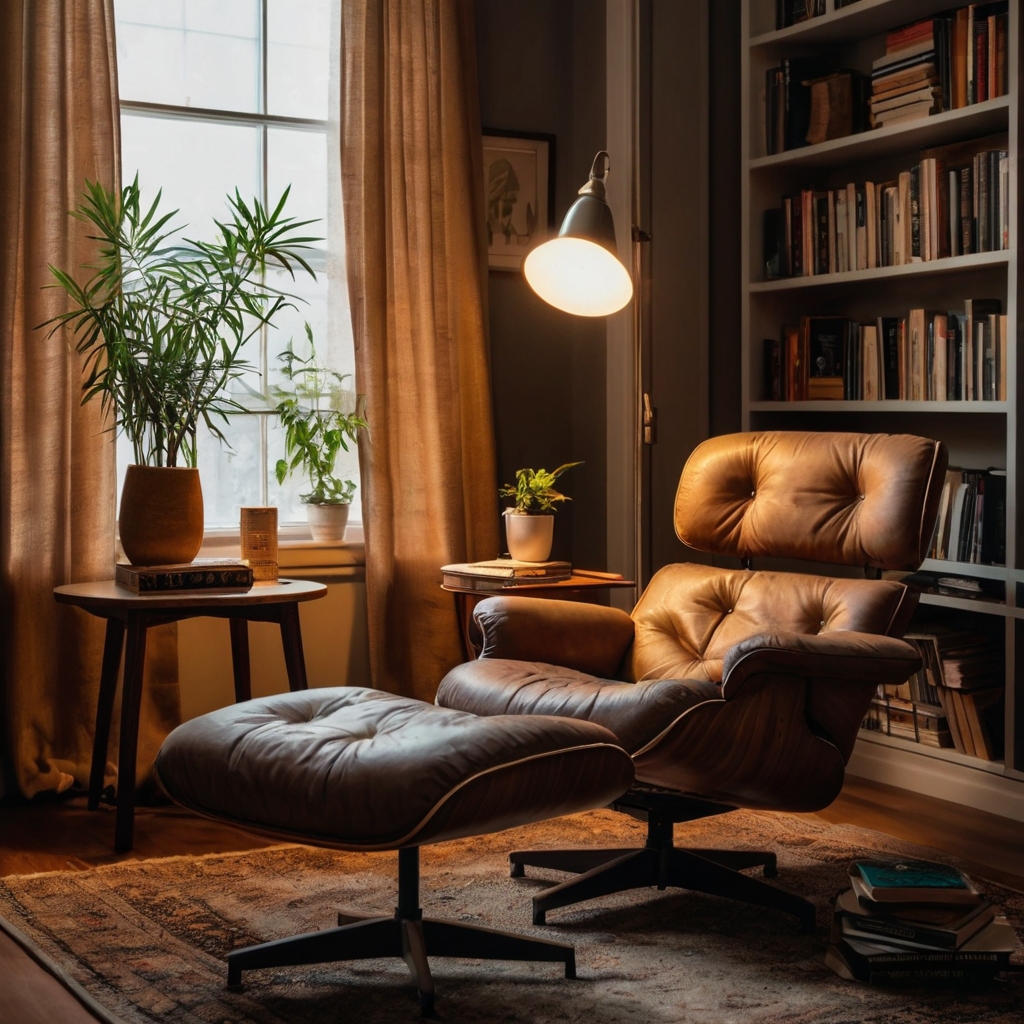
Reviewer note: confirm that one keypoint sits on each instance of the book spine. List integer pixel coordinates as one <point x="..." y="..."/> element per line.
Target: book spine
<point x="916" y="251"/>
<point x="821" y="248"/>
<point x="966" y="212"/>
<point x="197" y="579"/>
<point x="797" y="247"/>
<point x="900" y="931"/>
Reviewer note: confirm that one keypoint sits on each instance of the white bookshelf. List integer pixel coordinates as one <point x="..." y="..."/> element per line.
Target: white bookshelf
<point x="978" y="434"/>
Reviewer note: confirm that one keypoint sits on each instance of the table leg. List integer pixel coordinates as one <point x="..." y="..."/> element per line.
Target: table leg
<point x="131" y="702"/>
<point x="240" y="658"/>
<point x="105" y="708"/>
<point x="291" y="641"/>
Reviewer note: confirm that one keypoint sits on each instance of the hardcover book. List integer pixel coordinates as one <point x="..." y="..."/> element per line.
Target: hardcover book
<point x="204" y="574"/>
<point x="915" y="927"/>
<point x="912" y="881"/>
<point x="502" y="573"/>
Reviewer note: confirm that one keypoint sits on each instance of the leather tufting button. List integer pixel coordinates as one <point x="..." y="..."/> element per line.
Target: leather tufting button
<point x="753" y="493"/>
<point x="862" y="497"/>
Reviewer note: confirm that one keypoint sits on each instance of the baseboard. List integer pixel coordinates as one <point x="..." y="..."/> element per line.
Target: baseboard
<point x="986" y="790"/>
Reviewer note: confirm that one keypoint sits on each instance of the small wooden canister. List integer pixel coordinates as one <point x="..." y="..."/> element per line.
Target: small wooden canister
<point x="259" y="542"/>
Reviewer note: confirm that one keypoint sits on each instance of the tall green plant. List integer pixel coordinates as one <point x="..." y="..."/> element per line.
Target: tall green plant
<point x="161" y="326"/>
<point x="534" y="491"/>
<point x="316" y="428"/>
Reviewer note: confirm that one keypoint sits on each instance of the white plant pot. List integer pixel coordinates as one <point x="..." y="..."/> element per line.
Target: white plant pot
<point x="529" y="537"/>
<point x="327" y="522"/>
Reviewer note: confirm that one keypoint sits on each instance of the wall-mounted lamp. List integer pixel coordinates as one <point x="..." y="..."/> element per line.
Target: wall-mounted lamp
<point x="580" y="271"/>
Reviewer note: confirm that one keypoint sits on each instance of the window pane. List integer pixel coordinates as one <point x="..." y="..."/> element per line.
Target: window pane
<point x="163" y="151"/>
<point x="190" y="53"/>
<point x="298" y="39"/>
<point x="299" y="159"/>
<point x="231" y="477"/>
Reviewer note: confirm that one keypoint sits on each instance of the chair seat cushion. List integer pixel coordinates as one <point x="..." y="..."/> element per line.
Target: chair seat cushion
<point x="635" y="712"/>
<point x="362" y="769"/>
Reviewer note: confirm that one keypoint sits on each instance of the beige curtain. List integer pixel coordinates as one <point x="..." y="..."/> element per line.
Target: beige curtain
<point x="413" y="199"/>
<point x="61" y="127"/>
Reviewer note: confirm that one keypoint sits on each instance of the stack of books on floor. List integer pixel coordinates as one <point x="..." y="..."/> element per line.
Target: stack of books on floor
<point x="503" y="573"/>
<point x="206" y="575"/>
<point x="917" y="922"/>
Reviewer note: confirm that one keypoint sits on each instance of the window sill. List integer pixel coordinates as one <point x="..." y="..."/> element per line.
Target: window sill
<point x="299" y="555"/>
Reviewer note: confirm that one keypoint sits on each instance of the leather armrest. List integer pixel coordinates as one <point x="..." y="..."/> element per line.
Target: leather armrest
<point x="839" y="655"/>
<point x="589" y="638"/>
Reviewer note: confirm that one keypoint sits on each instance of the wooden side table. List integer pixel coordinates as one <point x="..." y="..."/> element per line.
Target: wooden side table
<point x="581" y="585"/>
<point x="132" y="615"/>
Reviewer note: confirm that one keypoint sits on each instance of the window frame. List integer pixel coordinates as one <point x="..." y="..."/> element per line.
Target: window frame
<point x="293" y="535"/>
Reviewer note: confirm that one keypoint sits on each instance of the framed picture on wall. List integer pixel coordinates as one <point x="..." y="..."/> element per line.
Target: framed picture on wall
<point x="519" y="188"/>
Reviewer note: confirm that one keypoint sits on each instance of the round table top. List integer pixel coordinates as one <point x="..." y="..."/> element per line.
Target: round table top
<point x="107" y="594"/>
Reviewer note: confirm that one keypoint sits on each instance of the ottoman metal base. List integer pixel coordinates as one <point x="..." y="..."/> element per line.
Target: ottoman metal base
<point x="406" y="934"/>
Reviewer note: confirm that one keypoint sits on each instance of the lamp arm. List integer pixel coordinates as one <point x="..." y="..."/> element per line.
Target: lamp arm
<point x="595" y="185"/>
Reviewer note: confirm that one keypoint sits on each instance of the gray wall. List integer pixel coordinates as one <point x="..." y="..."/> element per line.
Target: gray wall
<point x="541" y="69"/>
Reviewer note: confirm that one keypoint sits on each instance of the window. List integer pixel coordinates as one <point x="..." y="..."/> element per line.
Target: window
<point x="244" y="93"/>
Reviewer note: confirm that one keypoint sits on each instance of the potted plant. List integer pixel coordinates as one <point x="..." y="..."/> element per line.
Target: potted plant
<point x="530" y="522"/>
<point x="161" y="326"/>
<point x="316" y="428"/>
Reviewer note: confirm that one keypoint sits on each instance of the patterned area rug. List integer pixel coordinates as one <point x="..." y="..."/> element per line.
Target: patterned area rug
<point x="147" y="939"/>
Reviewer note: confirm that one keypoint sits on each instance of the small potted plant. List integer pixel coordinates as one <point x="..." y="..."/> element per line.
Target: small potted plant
<point x="530" y="522"/>
<point x="316" y="429"/>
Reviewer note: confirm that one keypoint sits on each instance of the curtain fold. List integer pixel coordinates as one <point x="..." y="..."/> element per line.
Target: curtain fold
<point x="412" y="185"/>
<point x="58" y="90"/>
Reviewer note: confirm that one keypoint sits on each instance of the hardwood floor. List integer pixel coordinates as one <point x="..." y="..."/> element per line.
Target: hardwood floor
<point x="66" y="836"/>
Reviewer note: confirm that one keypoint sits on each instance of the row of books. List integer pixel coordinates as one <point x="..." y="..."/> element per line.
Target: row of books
<point x="924" y="356"/>
<point x="792" y="12"/>
<point x="209" y="575"/>
<point x="916" y="921"/>
<point x="953" y="202"/>
<point x="503" y="573"/>
<point x="954" y="700"/>
<point x="952" y="60"/>
<point x="971" y="526"/>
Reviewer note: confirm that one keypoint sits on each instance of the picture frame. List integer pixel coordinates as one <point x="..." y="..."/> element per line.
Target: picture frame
<point x="519" y="193"/>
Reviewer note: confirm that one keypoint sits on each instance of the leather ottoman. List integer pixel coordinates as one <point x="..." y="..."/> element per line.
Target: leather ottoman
<point x="359" y="769"/>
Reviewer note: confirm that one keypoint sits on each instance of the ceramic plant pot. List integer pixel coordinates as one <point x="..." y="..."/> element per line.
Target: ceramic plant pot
<point x="161" y="517"/>
<point x="327" y="522"/>
<point x="529" y="537"/>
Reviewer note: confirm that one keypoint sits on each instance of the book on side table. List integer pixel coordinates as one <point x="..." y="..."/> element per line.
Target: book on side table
<point x="916" y="921"/>
<point x="206" y="575"/>
<point x="501" y="573"/>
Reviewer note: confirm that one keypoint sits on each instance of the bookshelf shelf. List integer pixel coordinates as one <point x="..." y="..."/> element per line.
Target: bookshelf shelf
<point x="947" y="568"/>
<point x="977" y="433"/>
<point x="942" y="753"/>
<point x="976" y="605"/>
<point x="979" y="119"/>
<point x="864" y="18"/>
<point x="929" y="268"/>
<point x="892" y="405"/>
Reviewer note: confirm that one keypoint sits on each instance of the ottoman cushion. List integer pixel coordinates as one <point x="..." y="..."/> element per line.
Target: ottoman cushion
<point x="362" y="769"/>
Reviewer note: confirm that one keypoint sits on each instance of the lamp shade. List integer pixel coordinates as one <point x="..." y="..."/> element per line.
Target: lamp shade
<point x="579" y="271"/>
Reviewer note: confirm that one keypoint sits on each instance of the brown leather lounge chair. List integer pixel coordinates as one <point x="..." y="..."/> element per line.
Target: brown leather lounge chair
<point x="730" y="687"/>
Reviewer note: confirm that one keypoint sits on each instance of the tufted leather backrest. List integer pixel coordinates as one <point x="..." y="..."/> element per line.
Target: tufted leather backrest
<point x="842" y="498"/>
<point x="691" y="615"/>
